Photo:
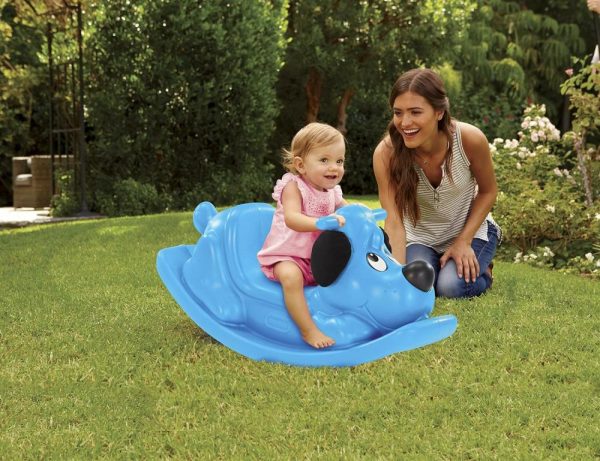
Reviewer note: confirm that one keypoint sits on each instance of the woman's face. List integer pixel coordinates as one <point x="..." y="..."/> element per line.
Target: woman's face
<point x="415" y="119"/>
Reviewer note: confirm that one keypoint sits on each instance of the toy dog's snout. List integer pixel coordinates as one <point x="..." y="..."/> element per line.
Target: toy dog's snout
<point x="420" y="274"/>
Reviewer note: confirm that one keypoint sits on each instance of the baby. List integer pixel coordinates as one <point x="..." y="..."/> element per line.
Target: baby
<point x="310" y="190"/>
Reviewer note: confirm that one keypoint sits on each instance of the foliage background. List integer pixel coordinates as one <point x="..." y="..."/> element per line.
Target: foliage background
<point x="189" y="102"/>
<point x="182" y="97"/>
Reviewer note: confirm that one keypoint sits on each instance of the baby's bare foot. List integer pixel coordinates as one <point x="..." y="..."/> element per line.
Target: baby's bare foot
<point x="317" y="339"/>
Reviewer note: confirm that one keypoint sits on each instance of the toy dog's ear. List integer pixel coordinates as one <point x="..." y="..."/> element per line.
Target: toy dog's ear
<point x="386" y="239"/>
<point x="330" y="254"/>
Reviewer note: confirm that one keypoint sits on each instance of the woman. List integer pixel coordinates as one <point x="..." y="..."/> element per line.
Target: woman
<point x="436" y="181"/>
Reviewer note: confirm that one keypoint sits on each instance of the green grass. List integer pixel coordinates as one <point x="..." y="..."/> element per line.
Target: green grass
<point x="98" y="361"/>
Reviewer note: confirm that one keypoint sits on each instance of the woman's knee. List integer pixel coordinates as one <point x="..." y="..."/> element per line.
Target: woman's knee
<point x="449" y="284"/>
<point x="416" y="252"/>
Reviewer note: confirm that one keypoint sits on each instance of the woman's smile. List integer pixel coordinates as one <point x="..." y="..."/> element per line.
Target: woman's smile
<point x="410" y="134"/>
<point x="413" y="115"/>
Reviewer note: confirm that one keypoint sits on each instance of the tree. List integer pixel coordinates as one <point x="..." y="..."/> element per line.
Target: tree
<point x="346" y="45"/>
<point x="23" y="116"/>
<point x="584" y="91"/>
<point x="521" y="52"/>
<point x="182" y="95"/>
<point x="349" y="53"/>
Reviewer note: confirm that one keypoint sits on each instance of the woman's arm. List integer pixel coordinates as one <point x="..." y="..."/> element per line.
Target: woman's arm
<point x="291" y="201"/>
<point x="394" y="226"/>
<point x="477" y="149"/>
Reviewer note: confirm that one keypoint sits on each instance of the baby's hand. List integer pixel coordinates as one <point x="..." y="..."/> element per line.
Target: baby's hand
<point x="330" y="222"/>
<point x="341" y="220"/>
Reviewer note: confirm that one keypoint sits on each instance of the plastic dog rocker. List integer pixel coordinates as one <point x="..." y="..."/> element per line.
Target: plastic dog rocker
<point x="369" y="303"/>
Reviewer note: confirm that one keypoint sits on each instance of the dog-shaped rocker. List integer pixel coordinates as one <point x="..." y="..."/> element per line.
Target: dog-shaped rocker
<point x="368" y="302"/>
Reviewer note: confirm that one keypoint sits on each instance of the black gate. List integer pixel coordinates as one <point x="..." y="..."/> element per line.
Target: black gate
<point x="67" y="146"/>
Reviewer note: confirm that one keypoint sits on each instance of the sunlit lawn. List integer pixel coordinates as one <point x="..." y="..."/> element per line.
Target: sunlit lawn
<point x="98" y="361"/>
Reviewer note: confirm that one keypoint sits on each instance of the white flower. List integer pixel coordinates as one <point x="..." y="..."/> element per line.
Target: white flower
<point x="532" y="256"/>
<point x="589" y="257"/>
<point x="533" y="123"/>
<point x="557" y="172"/>
<point x="525" y="124"/>
<point x="597" y="216"/>
<point x="511" y="144"/>
<point x="518" y="257"/>
<point x="519" y="166"/>
<point x="551" y="208"/>
<point x="548" y="252"/>
<point x="498" y="141"/>
<point x="541" y="134"/>
<point x="534" y="136"/>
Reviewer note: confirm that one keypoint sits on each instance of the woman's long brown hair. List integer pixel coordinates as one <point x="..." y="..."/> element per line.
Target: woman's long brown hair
<point x="403" y="177"/>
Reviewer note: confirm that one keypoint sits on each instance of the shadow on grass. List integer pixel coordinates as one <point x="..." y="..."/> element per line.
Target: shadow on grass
<point x="190" y="330"/>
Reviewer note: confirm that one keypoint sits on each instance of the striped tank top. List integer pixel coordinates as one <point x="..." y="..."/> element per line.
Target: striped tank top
<point x="445" y="209"/>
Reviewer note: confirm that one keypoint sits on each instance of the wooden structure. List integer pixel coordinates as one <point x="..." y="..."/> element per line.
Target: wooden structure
<point x="32" y="179"/>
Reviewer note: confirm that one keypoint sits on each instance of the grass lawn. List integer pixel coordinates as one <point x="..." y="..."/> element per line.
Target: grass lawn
<point x="98" y="361"/>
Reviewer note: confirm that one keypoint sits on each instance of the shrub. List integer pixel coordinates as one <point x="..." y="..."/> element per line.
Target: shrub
<point x="66" y="202"/>
<point x="130" y="197"/>
<point x="223" y="188"/>
<point x="367" y="122"/>
<point x="541" y="205"/>
<point x="481" y="106"/>
<point x="179" y="91"/>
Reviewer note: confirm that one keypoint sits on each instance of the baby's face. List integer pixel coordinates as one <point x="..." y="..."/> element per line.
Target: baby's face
<point x="323" y="167"/>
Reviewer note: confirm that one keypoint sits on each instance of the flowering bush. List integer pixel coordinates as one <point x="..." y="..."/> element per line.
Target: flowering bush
<point x="541" y="206"/>
<point x="537" y="127"/>
<point x="587" y="264"/>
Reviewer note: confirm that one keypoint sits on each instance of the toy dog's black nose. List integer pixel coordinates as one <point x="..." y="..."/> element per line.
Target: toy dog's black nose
<point x="420" y="274"/>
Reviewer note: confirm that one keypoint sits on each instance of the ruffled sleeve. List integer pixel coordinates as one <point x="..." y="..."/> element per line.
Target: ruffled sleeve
<point x="337" y="193"/>
<point x="281" y="183"/>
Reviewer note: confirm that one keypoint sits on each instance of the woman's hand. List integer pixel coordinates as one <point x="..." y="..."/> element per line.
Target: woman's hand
<point x="463" y="255"/>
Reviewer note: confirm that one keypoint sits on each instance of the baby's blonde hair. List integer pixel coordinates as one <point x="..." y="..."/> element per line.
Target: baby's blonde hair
<point x="312" y="136"/>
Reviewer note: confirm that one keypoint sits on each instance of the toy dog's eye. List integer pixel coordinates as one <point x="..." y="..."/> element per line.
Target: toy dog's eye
<point x="376" y="262"/>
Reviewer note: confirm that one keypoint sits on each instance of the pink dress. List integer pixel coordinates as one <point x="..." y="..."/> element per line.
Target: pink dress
<point x="285" y="244"/>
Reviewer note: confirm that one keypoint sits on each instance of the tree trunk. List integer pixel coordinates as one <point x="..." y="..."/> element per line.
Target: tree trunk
<point x="313" y="89"/>
<point x="342" y="114"/>
<point x="581" y="163"/>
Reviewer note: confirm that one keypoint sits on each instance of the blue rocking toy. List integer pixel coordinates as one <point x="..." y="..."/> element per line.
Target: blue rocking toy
<point x="369" y="303"/>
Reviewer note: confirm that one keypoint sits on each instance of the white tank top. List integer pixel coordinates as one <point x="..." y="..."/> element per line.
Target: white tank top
<point x="444" y="209"/>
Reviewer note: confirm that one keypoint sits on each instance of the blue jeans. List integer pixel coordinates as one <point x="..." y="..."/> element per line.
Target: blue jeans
<point x="447" y="283"/>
